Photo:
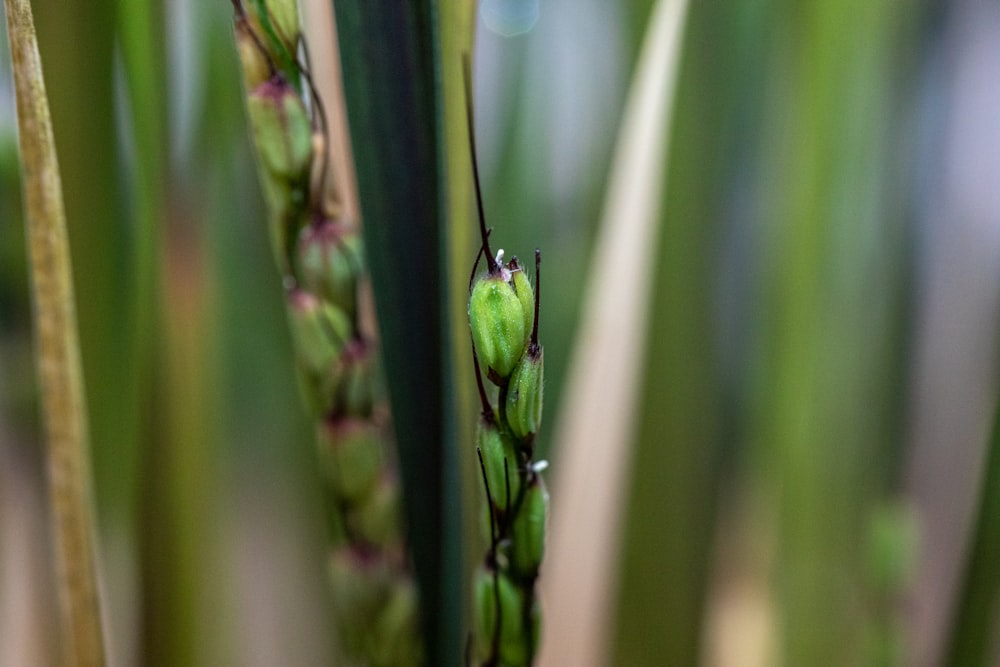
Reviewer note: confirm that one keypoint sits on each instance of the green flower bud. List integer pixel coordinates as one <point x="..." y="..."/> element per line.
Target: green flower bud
<point x="376" y="519"/>
<point x="319" y="331"/>
<point x="499" y="328"/>
<point x="281" y="130"/>
<point x="283" y="15"/>
<point x="523" y="409"/>
<point x="352" y="457"/>
<point x="498" y="453"/>
<point x="528" y="530"/>
<point x="348" y="387"/>
<point x="329" y="261"/>
<point x="253" y="61"/>
<point x="397" y="631"/>
<point x="359" y="582"/>
<point x="514" y="649"/>
<point x="522" y="286"/>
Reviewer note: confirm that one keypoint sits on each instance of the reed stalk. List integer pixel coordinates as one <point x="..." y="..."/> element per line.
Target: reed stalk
<point x="57" y="352"/>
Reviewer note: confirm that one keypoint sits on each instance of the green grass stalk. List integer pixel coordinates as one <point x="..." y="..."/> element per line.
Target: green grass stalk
<point x="57" y="351"/>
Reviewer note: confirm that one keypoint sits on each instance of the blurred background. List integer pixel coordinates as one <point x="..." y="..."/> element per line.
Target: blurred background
<point x="809" y="432"/>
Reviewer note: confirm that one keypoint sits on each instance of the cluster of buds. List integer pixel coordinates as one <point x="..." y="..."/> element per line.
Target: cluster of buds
<point x="503" y="318"/>
<point x="321" y="259"/>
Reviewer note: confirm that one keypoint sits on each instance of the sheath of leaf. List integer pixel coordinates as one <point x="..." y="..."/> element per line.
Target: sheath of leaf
<point x="320" y="259"/>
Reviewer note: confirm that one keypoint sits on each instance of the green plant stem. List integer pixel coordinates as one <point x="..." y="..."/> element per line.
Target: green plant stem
<point x="57" y="351"/>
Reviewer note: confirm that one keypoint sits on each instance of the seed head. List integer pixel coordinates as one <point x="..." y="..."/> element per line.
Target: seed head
<point x="329" y="261"/>
<point x="281" y="130"/>
<point x="528" y="530"/>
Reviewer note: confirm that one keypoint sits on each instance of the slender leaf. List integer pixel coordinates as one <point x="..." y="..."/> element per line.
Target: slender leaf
<point x="390" y="78"/>
<point x="973" y="626"/>
<point x="57" y="351"/>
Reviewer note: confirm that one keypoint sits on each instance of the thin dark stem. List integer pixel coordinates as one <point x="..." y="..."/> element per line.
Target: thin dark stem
<point x="495" y="648"/>
<point x="467" y="72"/>
<point x="306" y="69"/>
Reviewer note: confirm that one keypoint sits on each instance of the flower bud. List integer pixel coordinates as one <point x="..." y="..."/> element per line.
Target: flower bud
<point x="281" y="130"/>
<point x="500" y="461"/>
<point x="283" y="16"/>
<point x="528" y="530"/>
<point x="348" y="388"/>
<point x="397" y="629"/>
<point x="496" y="317"/>
<point x="329" y="261"/>
<point x="522" y="286"/>
<point x="514" y="649"/>
<point x="319" y="331"/>
<point x="253" y="61"/>
<point x="352" y="457"/>
<point x="523" y="409"/>
<point x="359" y="582"/>
<point x="376" y="519"/>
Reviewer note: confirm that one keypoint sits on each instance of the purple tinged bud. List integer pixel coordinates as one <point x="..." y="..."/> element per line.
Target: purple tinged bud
<point x="281" y="129"/>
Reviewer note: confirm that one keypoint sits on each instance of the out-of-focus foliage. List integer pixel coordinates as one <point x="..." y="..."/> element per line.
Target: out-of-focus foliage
<point x="820" y="375"/>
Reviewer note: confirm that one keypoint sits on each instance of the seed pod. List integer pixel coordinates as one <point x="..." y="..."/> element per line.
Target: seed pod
<point x="522" y="286"/>
<point x="281" y="131"/>
<point x="397" y="631"/>
<point x="359" y="582"/>
<point x="283" y="16"/>
<point x="523" y="408"/>
<point x="329" y="261"/>
<point x="319" y="331"/>
<point x="496" y="317"/>
<point x="528" y="530"/>
<point x="348" y="386"/>
<point x="500" y="461"/>
<point x="253" y="61"/>
<point x="514" y="649"/>
<point x="352" y="454"/>
<point x="376" y="519"/>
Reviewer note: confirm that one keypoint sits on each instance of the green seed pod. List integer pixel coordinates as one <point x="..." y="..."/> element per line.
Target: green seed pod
<point x="528" y="530"/>
<point x="348" y="387"/>
<point x="283" y="15"/>
<point x="496" y="317"/>
<point x="281" y="130"/>
<point x="376" y="518"/>
<point x="329" y="262"/>
<point x="255" y="66"/>
<point x="319" y="331"/>
<point x="352" y="457"/>
<point x="496" y="451"/>
<point x="359" y="582"/>
<point x="397" y="630"/>
<point x="522" y="286"/>
<point x="513" y="645"/>
<point x="523" y="409"/>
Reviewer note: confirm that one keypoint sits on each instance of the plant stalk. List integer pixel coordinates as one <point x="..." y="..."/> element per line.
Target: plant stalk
<point x="57" y="352"/>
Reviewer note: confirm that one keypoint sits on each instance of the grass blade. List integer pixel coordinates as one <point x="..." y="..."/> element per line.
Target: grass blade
<point x="57" y="350"/>
<point x="390" y="80"/>
<point x="603" y="387"/>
